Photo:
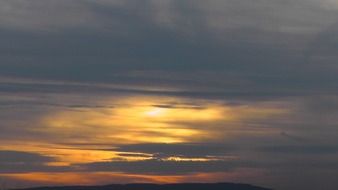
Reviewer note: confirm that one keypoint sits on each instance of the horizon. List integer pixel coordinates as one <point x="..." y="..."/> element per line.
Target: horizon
<point x="169" y="91"/>
<point x="151" y="184"/>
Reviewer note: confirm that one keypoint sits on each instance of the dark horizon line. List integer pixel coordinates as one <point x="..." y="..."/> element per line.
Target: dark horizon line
<point x="121" y="185"/>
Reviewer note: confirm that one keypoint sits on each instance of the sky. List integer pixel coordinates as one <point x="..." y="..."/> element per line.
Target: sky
<point x="169" y="91"/>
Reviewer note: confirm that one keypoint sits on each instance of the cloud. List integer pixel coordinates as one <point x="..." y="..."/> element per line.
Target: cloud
<point x="43" y="16"/>
<point x="22" y="162"/>
<point x="65" y="66"/>
<point x="305" y="149"/>
<point x="185" y="150"/>
<point x="159" y="43"/>
<point x="18" y="157"/>
<point x="160" y="167"/>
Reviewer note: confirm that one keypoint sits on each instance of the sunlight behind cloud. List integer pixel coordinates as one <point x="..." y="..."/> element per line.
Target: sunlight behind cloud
<point x="83" y="135"/>
<point x="133" y="121"/>
<point x="145" y="120"/>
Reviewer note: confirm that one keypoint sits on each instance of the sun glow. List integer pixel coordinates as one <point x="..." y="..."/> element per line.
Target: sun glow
<point x="134" y="120"/>
<point x="156" y="112"/>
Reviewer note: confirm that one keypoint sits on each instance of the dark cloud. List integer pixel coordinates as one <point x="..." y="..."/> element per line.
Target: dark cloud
<point x="18" y="157"/>
<point x="161" y="167"/>
<point x="267" y="54"/>
<point x="185" y="150"/>
<point x="23" y="162"/>
<point x="305" y="149"/>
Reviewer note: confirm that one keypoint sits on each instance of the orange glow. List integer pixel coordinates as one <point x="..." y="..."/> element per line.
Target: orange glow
<point x="97" y="178"/>
<point x="91" y="178"/>
<point x="86" y="135"/>
<point x="133" y="121"/>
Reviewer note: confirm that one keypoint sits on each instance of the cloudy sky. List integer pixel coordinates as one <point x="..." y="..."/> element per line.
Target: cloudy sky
<point x="166" y="91"/>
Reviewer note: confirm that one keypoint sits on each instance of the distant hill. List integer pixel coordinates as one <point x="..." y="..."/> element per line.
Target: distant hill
<point x="183" y="186"/>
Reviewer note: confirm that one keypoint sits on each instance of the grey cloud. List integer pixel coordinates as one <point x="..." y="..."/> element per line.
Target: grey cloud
<point x="22" y="162"/>
<point x="165" y="167"/>
<point x="262" y="60"/>
<point x="219" y="149"/>
<point x="160" y="167"/>
<point x="305" y="149"/>
<point x="185" y="150"/>
<point x="43" y="16"/>
<point x="18" y="157"/>
<point x="94" y="88"/>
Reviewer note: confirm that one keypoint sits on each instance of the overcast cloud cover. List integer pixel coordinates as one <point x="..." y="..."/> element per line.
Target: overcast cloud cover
<point x="270" y="65"/>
